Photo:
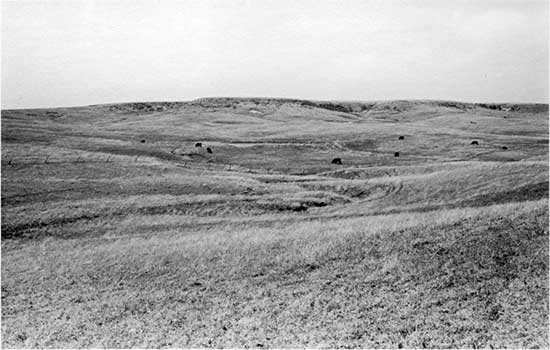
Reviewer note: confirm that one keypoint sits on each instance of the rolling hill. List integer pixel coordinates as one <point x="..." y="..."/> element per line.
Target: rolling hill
<point x="118" y="231"/>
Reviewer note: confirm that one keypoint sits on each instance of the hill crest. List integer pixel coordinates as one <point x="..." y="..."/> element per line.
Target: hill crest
<point x="334" y="105"/>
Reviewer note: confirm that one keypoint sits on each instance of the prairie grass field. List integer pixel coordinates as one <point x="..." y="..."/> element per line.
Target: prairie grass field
<point x="119" y="232"/>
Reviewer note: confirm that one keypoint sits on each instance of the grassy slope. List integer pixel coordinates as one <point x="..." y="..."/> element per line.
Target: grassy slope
<point x="110" y="242"/>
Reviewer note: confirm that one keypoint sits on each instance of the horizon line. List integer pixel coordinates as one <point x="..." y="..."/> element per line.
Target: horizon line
<point x="284" y="98"/>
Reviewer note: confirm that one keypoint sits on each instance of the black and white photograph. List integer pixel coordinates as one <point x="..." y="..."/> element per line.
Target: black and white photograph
<point x="274" y="174"/>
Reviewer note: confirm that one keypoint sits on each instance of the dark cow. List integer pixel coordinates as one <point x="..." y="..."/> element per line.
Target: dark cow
<point x="504" y="147"/>
<point x="208" y="149"/>
<point x="474" y="143"/>
<point x="396" y="154"/>
<point x="401" y="137"/>
<point x="142" y="141"/>
<point x="337" y="161"/>
<point x="198" y="144"/>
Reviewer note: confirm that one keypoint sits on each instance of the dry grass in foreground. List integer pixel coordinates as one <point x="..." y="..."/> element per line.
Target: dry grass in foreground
<point x="457" y="278"/>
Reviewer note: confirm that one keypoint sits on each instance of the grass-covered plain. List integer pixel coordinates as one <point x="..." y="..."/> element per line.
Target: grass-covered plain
<point x="118" y="232"/>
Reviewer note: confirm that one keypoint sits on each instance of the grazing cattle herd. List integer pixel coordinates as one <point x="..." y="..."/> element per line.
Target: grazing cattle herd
<point x="337" y="161"/>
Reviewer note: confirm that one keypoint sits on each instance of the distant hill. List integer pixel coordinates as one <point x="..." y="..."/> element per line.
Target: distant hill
<point x="339" y="106"/>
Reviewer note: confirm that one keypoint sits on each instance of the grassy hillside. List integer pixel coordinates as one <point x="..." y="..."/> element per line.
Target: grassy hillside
<point x="117" y="231"/>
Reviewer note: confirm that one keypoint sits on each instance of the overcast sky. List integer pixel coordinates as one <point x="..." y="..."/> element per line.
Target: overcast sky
<point x="61" y="53"/>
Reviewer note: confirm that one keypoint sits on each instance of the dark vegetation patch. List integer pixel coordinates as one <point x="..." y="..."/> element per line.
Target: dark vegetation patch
<point x="31" y="229"/>
<point x="335" y="107"/>
<point x="87" y="190"/>
<point x="452" y="104"/>
<point x="228" y="122"/>
<point x="25" y="137"/>
<point x="492" y="106"/>
<point x="145" y="107"/>
<point x="361" y="144"/>
<point x="526" y="107"/>
<point x="56" y="227"/>
<point x="524" y="193"/>
<point x="31" y="133"/>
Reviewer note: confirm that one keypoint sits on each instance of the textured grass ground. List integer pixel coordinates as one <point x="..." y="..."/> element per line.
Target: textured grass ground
<point x="108" y="241"/>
